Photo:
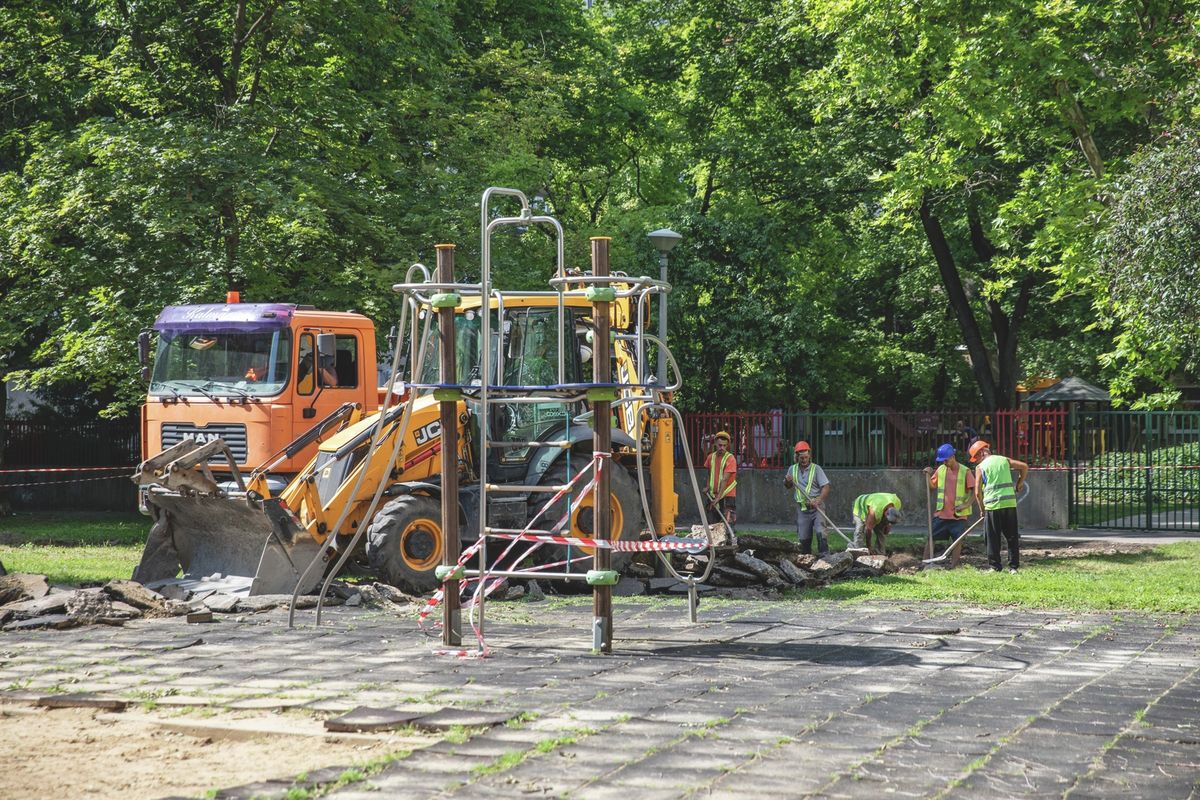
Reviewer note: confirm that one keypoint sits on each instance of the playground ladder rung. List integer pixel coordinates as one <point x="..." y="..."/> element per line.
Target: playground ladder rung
<point x="518" y="531"/>
<point x="499" y="573"/>
<point x="563" y="443"/>
<point x="513" y="487"/>
<point x="521" y="397"/>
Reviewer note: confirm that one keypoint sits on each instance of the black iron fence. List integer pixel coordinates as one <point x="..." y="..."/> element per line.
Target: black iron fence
<point x="52" y="466"/>
<point x="1135" y="470"/>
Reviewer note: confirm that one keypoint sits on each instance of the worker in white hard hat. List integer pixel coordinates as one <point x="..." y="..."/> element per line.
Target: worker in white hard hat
<point x="721" y="487"/>
<point x="810" y="488"/>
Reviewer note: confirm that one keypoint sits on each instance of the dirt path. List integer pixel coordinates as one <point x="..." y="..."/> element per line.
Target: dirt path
<point x="95" y="754"/>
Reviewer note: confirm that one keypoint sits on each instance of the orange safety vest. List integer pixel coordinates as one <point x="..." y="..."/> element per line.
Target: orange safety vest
<point x="716" y="468"/>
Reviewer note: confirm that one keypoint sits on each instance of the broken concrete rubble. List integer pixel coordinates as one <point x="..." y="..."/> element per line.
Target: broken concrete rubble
<point x="22" y="586"/>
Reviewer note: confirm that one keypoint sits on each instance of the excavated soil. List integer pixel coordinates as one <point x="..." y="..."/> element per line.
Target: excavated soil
<point x="76" y="752"/>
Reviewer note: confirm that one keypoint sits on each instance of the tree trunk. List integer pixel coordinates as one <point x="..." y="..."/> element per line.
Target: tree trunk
<point x="980" y="363"/>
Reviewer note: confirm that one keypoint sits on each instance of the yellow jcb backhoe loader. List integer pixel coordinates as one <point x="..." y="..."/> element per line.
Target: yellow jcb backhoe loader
<point x="242" y="539"/>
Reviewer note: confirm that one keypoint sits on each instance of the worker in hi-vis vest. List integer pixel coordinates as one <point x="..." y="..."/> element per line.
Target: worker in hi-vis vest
<point x="957" y="497"/>
<point x="721" y="487"/>
<point x="809" y="488"/>
<point x="997" y="492"/>
<point x="874" y="516"/>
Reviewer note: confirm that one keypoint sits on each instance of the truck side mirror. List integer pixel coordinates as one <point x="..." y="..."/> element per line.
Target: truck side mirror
<point x="143" y="344"/>
<point x="327" y="345"/>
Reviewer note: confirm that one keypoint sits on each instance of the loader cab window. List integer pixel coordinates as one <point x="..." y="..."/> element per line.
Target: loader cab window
<point x="466" y="333"/>
<point x="531" y="359"/>
<point x="339" y="372"/>
<point x="222" y="364"/>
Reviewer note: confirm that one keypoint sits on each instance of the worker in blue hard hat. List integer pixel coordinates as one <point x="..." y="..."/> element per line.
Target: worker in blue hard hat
<point x="956" y="499"/>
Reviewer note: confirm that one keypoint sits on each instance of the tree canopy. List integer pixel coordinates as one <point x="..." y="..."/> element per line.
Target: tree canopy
<point x="882" y="203"/>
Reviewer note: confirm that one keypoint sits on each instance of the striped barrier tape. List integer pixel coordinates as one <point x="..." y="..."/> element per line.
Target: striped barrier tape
<point x="60" y="483"/>
<point x="596" y="465"/>
<point x="663" y="544"/>
<point x="24" y="470"/>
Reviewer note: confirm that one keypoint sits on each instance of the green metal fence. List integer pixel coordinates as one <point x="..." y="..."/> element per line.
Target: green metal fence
<point x="1135" y="470"/>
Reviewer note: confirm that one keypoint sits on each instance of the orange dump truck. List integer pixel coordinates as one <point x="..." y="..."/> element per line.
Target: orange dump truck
<point x="256" y="375"/>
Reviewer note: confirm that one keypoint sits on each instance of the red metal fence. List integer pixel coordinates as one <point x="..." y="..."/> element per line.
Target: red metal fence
<point x="879" y="438"/>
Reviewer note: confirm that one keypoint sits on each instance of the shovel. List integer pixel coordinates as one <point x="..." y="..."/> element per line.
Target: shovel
<point x="929" y="513"/>
<point x="829" y="522"/>
<point x="930" y="561"/>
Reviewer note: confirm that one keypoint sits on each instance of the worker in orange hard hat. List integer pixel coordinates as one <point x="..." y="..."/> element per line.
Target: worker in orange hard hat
<point x="809" y="487"/>
<point x="997" y="492"/>
<point x="721" y="488"/>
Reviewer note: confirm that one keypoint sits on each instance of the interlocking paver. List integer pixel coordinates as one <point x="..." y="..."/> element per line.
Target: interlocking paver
<point x="790" y="699"/>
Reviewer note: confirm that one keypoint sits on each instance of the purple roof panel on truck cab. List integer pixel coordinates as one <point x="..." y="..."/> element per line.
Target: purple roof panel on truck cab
<point x="223" y="318"/>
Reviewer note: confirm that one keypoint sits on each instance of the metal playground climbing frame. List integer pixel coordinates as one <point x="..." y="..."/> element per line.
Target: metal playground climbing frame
<point x="501" y="552"/>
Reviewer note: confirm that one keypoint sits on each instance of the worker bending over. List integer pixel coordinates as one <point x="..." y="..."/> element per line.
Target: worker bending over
<point x="875" y="514"/>
<point x="810" y="488"/>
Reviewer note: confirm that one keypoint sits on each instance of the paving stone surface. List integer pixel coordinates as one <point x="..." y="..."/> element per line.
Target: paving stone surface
<point x="784" y="699"/>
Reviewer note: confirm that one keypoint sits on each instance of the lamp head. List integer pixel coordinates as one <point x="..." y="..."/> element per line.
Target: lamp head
<point x="664" y="239"/>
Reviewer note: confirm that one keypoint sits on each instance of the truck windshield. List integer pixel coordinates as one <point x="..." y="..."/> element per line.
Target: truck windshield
<point x="243" y="364"/>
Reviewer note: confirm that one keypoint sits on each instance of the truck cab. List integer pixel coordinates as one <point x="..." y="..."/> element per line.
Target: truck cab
<point x="252" y="375"/>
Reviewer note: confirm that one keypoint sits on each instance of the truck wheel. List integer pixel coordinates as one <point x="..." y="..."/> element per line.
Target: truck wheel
<point x="626" y="516"/>
<point x="405" y="543"/>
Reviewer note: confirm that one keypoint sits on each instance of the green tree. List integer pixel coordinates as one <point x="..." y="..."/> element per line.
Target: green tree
<point x="165" y="153"/>
<point x="994" y="130"/>
<point x="1150" y="270"/>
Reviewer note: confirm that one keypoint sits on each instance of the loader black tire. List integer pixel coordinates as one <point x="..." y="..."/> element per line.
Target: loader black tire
<point x="626" y="516"/>
<point x="405" y="543"/>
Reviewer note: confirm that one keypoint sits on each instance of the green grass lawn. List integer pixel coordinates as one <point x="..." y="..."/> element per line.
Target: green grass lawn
<point x="1162" y="579"/>
<point x="73" y="548"/>
<point x="84" y="549"/>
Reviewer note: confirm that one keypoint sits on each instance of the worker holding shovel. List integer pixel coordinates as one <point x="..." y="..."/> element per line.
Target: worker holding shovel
<point x="997" y="491"/>
<point x="721" y="489"/>
<point x="957" y="484"/>
<point x="810" y="487"/>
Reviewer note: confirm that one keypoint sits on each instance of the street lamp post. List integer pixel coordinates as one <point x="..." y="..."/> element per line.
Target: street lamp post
<point x="664" y="240"/>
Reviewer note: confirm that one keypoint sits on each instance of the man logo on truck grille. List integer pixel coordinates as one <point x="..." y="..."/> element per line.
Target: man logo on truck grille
<point x="429" y="432"/>
<point x="204" y="438"/>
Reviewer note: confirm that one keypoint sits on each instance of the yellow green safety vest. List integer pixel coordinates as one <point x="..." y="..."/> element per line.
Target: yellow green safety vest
<point x="716" y="468"/>
<point x="877" y="502"/>
<point x="960" y="494"/>
<point x="998" y="488"/>
<point x="802" y="495"/>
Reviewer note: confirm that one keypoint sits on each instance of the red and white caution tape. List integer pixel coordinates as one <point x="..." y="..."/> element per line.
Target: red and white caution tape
<point x="25" y="470"/>
<point x="67" y="482"/>
<point x="606" y="544"/>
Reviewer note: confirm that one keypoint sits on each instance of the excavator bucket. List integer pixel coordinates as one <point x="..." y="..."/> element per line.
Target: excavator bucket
<point x="227" y="540"/>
